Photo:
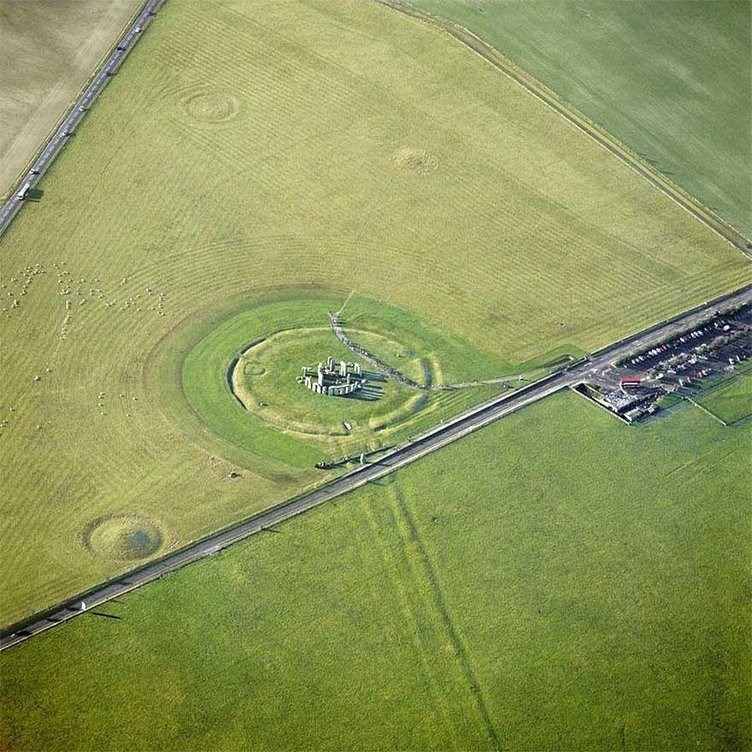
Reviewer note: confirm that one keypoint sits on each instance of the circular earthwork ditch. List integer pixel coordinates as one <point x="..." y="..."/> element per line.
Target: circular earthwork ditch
<point x="122" y="537"/>
<point x="211" y="106"/>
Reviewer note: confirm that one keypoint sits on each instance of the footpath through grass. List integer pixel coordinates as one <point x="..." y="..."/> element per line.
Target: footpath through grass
<point x="672" y="79"/>
<point x="732" y="400"/>
<point x="556" y="581"/>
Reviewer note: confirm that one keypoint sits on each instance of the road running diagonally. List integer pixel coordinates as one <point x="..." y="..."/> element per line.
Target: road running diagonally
<point x="438" y="437"/>
<point x="65" y="130"/>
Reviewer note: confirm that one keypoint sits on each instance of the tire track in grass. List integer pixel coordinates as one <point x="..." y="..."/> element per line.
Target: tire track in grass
<point x="418" y="570"/>
<point x="395" y="565"/>
<point x="410" y="536"/>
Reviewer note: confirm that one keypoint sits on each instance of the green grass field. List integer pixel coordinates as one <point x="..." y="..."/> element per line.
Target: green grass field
<point x="547" y="604"/>
<point x="732" y="400"/>
<point x="672" y="80"/>
<point x="285" y="425"/>
<point x="49" y="50"/>
<point x="245" y="152"/>
<point x="276" y="395"/>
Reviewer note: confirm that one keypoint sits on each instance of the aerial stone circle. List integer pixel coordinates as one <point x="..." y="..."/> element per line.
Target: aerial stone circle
<point x="333" y="379"/>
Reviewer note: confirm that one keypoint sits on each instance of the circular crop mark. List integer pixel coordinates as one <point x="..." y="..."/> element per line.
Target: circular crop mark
<point x="212" y="106"/>
<point x="416" y="160"/>
<point x="121" y="537"/>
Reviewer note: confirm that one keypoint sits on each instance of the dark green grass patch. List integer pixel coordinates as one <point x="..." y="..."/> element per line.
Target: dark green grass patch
<point x="240" y="383"/>
<point x="732" y="400"/>
<point x="278" y="396"/>
<point x="205" y="374"/>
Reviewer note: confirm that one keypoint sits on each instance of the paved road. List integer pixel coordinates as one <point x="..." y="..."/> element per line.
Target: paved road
<point x="73" y="118"/>
<point x="429" y="442"/>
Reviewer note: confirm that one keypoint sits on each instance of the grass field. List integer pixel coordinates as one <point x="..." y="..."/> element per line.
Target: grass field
<point x="246" y="151"/>
<point x="544" y="605"/>
<point x="286" y="425"/>
<point x="672" y="80"/>
<point x="732" y="400"/>
<point x="49" y="50"/>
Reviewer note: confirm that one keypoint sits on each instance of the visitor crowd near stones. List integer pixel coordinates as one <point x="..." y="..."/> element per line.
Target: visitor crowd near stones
<point x="373" y="360"/>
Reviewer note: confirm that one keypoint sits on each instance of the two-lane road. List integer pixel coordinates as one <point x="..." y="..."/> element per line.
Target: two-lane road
<point x="397" y="458"/>
<point x="65" y="130"/>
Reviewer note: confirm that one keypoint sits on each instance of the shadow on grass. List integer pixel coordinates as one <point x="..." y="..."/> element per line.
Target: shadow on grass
<point x="366" y="394"/>
<point x="375" y="376"/>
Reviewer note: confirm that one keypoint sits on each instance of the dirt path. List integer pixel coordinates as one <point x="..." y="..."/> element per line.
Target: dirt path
<point x="548" y="97"/>
<point x="361" y="352"/>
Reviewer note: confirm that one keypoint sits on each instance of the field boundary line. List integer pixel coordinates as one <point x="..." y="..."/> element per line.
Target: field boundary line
<point x="53" y="144"/>
<point x="580" y="121"/>
<point x="15" y="182"/>
<point x="705" y="410"/>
